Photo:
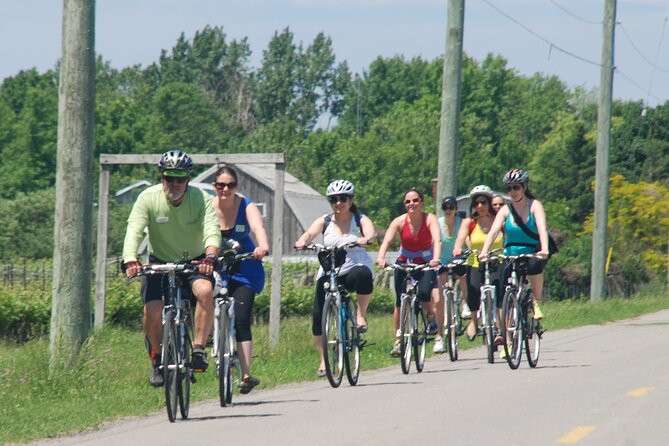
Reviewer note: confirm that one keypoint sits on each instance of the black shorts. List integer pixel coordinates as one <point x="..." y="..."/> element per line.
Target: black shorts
<point x="154" y="286"/>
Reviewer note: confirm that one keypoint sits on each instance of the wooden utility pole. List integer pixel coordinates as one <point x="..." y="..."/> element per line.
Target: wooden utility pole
<point x="71" y="307"/>
<point x="598" y="273"/>
<point x="450" y="102"/>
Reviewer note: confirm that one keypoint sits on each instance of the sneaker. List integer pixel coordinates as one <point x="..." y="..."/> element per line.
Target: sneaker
<point x="466" y="312"/>
<point x="395" y="351"/>
<point x="199" y="360"/>
<point x="248" y="384"/>
<point x="538" y="314"/>
<point x="432" y="325"/>
<point x="156" y="375"/>
<point x="438" y="346"/>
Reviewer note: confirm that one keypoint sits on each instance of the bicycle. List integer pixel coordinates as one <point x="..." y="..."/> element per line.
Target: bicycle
<point x="176" y="351"/>
<point x="342" y="343"/>
<point x="452" y="295"/>
<point x="489" y="303"/>
<point x="413" y="321"/>
<point x="518" y="313"/>
<point x="224" y="342"/>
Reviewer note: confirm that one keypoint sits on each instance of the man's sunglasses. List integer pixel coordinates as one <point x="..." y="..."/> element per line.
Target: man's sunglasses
<point x="338" y="198"/>
<point x="178" y="180"/>
<point x="221" y="186"/>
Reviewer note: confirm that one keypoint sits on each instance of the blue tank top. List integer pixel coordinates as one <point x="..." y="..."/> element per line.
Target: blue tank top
<point x="251" y="272"/>
<point x="516" y="241"/>
<point x="447" y="243"/>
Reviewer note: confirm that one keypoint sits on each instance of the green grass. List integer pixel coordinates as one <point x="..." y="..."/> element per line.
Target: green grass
<point x="110" y="381"/>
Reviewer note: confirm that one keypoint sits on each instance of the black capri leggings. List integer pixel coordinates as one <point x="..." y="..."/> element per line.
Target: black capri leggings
<point x="475" y="279"/>
<point x="244" y="298"/>
<point x="359" y="280"/>
<point x="425" y="284"/>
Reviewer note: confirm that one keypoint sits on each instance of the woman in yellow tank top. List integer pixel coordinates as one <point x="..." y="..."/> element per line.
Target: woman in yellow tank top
<point x="476" y="227"/>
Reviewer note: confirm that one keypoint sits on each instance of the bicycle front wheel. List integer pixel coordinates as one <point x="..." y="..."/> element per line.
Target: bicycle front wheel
<point x="488" y="324"/>
<point x="224" y="369"/>
<point x="333" y="350"/>
<point x="452" y="324"/>
<point x="170" y="359"/>
<point x="185" y="373"/>
<point x="533" y="335"/>
<point x="406" y="326"/>
<point x="420" y="338"/>
<point x="351" y="347"/>
<point x="513" y="328"/>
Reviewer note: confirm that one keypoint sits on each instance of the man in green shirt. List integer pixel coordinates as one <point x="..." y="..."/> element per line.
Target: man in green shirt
<point x="181" y="221"/>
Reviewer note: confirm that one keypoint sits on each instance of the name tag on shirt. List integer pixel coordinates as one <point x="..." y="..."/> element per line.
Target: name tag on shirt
<point x="162" y="219"/>
<point x="240" y="228"/>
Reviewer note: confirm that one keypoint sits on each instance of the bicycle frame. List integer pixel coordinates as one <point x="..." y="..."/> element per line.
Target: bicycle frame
<point x="452" y="300"/>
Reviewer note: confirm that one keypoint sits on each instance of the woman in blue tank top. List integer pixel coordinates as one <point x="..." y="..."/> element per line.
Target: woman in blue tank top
<point x="516" y="241"/>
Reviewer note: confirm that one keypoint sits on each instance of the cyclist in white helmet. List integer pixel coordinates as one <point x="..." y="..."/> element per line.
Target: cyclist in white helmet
<point x="344" y="225"/>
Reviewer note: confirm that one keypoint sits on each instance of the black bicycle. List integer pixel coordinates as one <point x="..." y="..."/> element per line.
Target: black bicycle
<point x="224" y="346"/>
<point x="342" y="343"/>
<point x="452" y="296"/>
<point x="413" y="321"/>
<point x="177" y="336"/>
<point x="520" y="327"/>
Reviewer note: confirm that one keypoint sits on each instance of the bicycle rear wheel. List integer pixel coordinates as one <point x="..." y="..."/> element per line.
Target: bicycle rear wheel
<point x="185" y="373"/>
<point x="488" y="324"/>
<point x="351" y="347"/>
<point x="405" y="333"/>
<point x="513" y="328"/>
<point x="533" y="335"/>
<point x="333" y="350"/>
<point x="170" y="358"/>
<point x="420" y="338"/>
<point x="224" y="369"/>
<point x="452" y="324"/>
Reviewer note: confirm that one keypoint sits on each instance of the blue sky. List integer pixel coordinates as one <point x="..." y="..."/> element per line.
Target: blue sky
<point x="134" y="32"/>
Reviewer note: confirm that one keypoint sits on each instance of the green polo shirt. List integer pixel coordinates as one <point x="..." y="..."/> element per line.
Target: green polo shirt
<point x="173" y="230"/>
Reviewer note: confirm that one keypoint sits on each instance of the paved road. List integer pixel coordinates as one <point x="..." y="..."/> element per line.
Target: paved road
<point x="596" y="385"/>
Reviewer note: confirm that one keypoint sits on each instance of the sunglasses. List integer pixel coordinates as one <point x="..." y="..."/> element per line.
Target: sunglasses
<point x="221" y="186"/>
<point x="338" y="198"/>
<point x="514" y="187"/>
<point x="414" y="200"/>
<point x="177" y="180"/>
<point x="477" y="202"/>
<point x="448" y="207"/>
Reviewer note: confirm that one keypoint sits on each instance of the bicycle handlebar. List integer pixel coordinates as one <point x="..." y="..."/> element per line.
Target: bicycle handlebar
<point x="410" y="267"/>
<point x="320" y="248"/>
<point x="164" y="268"/>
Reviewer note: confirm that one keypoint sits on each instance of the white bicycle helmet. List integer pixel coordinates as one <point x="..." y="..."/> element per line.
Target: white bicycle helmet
<point x="340" y="187"/>
<point x="481" y="189"/>
<point x="175" y="160"/>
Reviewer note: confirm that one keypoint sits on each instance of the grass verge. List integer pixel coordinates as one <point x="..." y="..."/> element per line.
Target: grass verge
<point x="110" y="381"/>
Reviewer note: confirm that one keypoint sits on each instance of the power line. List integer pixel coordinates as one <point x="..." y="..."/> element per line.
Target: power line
<point x="641" y="54"/>
<point x="574" y="15"/>
<point x="631" y="81"/>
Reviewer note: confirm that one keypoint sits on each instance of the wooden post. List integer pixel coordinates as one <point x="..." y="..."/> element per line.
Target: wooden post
<point x="101" y="252"/>
<point x="277" y="254"/>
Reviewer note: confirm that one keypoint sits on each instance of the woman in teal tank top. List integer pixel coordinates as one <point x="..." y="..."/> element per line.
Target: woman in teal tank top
<point x="516" y="241"/>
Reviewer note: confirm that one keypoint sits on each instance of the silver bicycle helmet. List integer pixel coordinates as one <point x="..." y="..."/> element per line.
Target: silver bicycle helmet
<point x="516" y="176"/>
<point x="175" y="160"/>
<point x="340" y="187"/>
<point x="481" y="189"/>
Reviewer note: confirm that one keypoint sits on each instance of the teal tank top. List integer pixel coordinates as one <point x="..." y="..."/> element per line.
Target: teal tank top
<point x="447" y="243"/>
<point x="515" y="240"/>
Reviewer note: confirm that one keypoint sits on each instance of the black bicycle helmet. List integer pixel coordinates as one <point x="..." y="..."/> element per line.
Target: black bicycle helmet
<point x="175" y="160"/>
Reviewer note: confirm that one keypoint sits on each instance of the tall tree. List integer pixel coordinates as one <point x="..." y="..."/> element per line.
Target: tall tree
<point x="70" y="312"/>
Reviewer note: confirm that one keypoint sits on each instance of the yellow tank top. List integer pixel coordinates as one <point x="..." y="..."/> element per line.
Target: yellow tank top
<point x="477" y="238"/>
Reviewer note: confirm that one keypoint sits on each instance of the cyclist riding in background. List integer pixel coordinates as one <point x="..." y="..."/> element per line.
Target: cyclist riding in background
<point x="420" y="242"/>
<point x="238" y="216"/>
<point x="181" y="221"/>
<point x="476" y="227"/>
<point x="530" y="211"/>
<point x="449" y="224"/>
<point x="344" y="225"/>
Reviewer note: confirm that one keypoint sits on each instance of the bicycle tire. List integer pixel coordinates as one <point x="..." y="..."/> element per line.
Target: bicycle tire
<point x="532" y="334"/>
<point x="224" y="369"/>
<point x="351" y="347"/>
<point x="488" y="324"/>
<point x="452" y="324"/>
<point x="420" y="338"/>
<point x="513" y="328"/>
<point x="170" y="358"/>
<point x="185" y="372"/>
<point x="405" y="333"/>
<point x="333" y="351"/>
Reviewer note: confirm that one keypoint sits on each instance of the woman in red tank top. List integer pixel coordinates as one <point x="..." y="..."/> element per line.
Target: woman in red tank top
<point x="420" y="242"/>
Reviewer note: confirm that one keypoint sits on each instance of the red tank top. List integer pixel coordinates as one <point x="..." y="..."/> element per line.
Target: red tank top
<point x="418" y="242"/>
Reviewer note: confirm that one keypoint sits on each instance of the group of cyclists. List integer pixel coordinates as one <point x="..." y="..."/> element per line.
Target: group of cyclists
<point x="184" y="220"/>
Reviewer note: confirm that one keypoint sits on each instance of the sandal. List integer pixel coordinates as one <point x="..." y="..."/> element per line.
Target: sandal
<point x="248" y="384"/>
<point x="321" y="373"/>
<point x="471" y="337"/>
<point x="362" y="328"/>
